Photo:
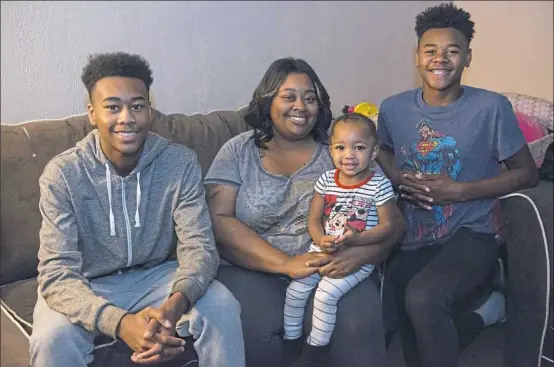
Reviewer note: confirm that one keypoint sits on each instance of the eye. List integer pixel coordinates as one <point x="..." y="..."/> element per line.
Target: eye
<point x="138" y="107"/>
<point x="112" y="108"/>
<point x="430" y="52"/>
<point x="360" y="147"/>
<point x="288" y="98"/>
<point x="339" y="147"/>
<point x="310" y="100"/>
<point x="453" y="52"/>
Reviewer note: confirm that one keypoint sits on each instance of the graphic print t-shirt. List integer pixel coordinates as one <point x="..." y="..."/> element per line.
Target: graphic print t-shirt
<point x="353" y="205"/>
<point x="465" y="140"/>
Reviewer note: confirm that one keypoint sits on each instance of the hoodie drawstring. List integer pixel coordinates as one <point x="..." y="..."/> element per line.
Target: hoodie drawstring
<point x="137" y="216"/>
<point x="109" y="186"/>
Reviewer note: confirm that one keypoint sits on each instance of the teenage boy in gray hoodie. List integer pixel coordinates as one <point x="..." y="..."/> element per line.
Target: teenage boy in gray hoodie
<point x="115" y="209"/>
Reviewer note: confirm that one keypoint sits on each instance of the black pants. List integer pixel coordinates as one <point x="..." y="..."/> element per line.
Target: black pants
<point x="434" y="284"/>
<point x="358" y="338"/>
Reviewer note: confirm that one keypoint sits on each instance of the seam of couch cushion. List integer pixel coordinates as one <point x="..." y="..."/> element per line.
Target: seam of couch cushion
<point x="189" y="362"/>
<point x="15" y="315"/>
<point x="204" y="113"/>
<point x="17" y="281"/>
<point x="100" y="346"/>
<point x="547" y="268"/>
<point x="217" y="110"/>
<point x="82" y="114"/>
<point x="14" y="318"/>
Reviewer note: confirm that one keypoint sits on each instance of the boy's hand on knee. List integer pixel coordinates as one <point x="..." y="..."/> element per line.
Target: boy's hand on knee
<point x="134" y="331"/>
<point x="166" y="347"/>
<point x="161" y="330"/>
<point x="131" y="331"/>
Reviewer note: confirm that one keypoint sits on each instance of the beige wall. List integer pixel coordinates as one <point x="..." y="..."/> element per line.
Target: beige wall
<point x="205" y="55"/>
<point x="512" y="48"/>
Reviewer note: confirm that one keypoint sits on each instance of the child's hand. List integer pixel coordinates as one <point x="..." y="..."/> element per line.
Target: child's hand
<point x="327" y="244"/>
<point x="349" y="238"/>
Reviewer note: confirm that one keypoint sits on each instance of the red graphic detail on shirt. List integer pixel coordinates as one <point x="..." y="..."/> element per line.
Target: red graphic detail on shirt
<point x="424" y="147"/>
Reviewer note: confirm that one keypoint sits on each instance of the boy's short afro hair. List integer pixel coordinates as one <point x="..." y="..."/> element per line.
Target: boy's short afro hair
<point x="104" y="65"/>
<point x="445" y="15"/>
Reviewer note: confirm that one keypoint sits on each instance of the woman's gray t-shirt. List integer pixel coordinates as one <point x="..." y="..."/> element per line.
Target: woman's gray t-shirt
<point x="274" y="206"/>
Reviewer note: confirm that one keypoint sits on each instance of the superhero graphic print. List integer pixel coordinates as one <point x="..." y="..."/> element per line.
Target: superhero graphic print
<point x="433" y="153"/>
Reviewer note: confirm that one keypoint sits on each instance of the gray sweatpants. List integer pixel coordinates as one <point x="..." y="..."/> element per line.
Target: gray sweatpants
<point x="214" y="321"/>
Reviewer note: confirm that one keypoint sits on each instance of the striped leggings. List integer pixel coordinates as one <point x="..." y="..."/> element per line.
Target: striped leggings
<point x="328" y="293"/>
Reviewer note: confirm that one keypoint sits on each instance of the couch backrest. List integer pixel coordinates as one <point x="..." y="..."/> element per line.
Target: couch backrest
<point x="27" y="147"/>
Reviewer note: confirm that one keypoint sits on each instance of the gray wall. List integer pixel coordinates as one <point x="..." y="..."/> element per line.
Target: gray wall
<point x="205" y="55"/>
<point x="513" y="47"/>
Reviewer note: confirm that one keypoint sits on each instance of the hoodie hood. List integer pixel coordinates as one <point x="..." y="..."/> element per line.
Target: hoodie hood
<point x="153" y="146"/>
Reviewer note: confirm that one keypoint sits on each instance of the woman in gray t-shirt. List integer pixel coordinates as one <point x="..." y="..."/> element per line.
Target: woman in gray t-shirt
<point x="259" y="190"/>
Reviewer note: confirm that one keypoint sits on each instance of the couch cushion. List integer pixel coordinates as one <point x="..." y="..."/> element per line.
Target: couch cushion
<point x="27" y="147"/>
<point x="14" y="345"/>
<point x="205" y="134"/>
<point x="19" y="300"/>
<point x="25" y="150"/>
<point x="529" y="238"/>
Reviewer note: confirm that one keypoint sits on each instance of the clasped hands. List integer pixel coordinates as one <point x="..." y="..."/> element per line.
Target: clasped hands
<point x="150" y="333"/>
<point x="426" y="190"/>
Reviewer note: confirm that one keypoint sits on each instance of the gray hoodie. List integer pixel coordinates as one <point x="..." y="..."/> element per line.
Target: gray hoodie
<point x="96" y="222"/>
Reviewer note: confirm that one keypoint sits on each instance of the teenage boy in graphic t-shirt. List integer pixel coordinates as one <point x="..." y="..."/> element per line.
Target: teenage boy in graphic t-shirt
<point x="442" y="146"/>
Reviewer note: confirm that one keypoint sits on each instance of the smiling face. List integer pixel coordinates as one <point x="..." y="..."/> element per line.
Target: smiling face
<point x="294" y="108"/>
<point x="441" y="57"/>
<point x="353" y="148"/>
<point x="120" y="110"/>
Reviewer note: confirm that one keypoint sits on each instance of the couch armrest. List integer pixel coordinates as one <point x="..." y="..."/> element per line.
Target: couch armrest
<point x="528" y="230"/>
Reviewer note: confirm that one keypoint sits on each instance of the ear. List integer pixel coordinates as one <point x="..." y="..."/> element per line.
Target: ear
<point x="468" y="57"/>
<point x="375" y="152"/>
<point x="91" y="114"/>
<point x="416" y="57"/>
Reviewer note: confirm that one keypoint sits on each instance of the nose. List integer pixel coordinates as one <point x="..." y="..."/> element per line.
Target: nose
<point x="440" y="57"/>
<point x="299" y="104"/>
<point x="126" y="116"/>
<point x="348" y="153"/>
